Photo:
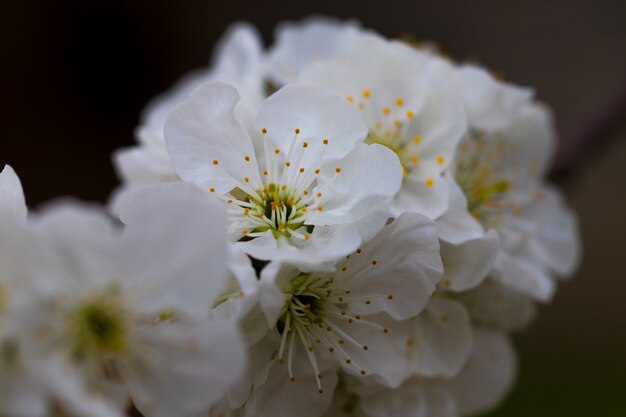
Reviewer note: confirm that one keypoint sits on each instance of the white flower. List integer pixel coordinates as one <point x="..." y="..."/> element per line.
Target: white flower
<point x="407" y="107"/>
<point x="310" y="195"/>
<point x="356" y="319"/>
<point x="103" y="316"/>
<point x="500" y="173"/>
<point x="482" y="384"/>
<point x="238" y="60"/>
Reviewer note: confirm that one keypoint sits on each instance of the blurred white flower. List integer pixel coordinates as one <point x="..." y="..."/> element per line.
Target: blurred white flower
<point x="98" y="316"/>
<point x="310" y="195"/>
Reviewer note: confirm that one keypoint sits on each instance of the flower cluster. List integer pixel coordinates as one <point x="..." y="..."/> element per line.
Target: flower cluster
<point x="339" y="225"/>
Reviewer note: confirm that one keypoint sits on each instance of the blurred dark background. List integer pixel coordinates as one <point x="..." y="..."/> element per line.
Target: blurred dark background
<point x="76" y="75"/>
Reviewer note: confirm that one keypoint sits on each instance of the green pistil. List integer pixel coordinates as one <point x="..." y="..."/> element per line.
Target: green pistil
<point x="98" y="328"/>
<point x="306" y="305"/>
<point x="275" y="201"/>
<point x="480" y="195"/>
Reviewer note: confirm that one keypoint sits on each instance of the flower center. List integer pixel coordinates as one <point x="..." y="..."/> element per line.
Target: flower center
<point x="276" y="208"/>
<point x="99" y="327"/>
<point x="479" y="173"/>
<point x="315" y="313"/>
<point x="278" y="198"/>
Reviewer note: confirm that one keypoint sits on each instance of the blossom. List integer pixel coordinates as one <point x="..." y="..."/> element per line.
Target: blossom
<point x="106" y="316"/>
<point x="484" y="380"/>
<point x="310" y="195"/>
<point x="500" y="169"/>
<point x="356" y="318"/>
<point x="238" y="60"/>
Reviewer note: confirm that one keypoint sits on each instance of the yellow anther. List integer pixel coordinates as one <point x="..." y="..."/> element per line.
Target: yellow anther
<point x="229" y="201"/>
<point x="430" y="182"/>
<point x="415" y="159"/>
<point x="246" y="211"/>
<point x="306" y="237"/>
<point x="399" y="102"/>
<point x="212" y="190"/>
<point x="244" y="232"/>
<point x="337" y="170"/>
<point x="301" y="170"/>
<point x="305" y="192"/>
<point x="320" y="208"/>
<point x="264" y="131"/>
<point x="386" y="111"/>
<point x="265" y="172"/>
<point x="276" y="151"/>
<point x="287" y="164"/>
<point x="246" y="179"/>
<point x="409" y="114"/>
<point x="317" y="171"/>
<point x="284" y="187"/>
<point x="367" y="94"/>
<point x="417" y="139"/>
<point x="305" y="144"/>
<point x="297" y="131"/>
<point x="374" y="261"/>
<point x="319" y="195"/>
<point x="441" y="160"/>
<point x="325" y="141"/>
<point x="390" y="297"/>
<point x="216" y="162"/>
<point x="359" y="250"/>
<point x="363" y="372"/>
<point x="350" y="99"/>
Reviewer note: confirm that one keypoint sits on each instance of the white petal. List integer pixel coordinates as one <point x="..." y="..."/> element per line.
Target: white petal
<point x="318" y="115"/>
<point x="174" y="247"/>
<point x="12" y="200"/>
<point x="555" y="239"/>
<point x="143" y="165"/>
<point x="490" y="104"/>
<point x="420" y="195"/>
<point x="408" y="400"/>
<point x="207" y="142"/>
<point x="186" y="367"/>
<point x="369" y="177"/>
<point x="442" y="338"/>
<point x="534" y="134"/>
<point x="488" y="375"/>
<point x="75" y="248"/>
<point x="299" y="44"/>
<point x="494" y="304"/>
<point x="279" y="397"/>
<point x="523" y="275"/>
<point x="457" y="225"/>
<point x="381" y="354"/>
<point x="325" y="246"/>
<point x="406" y="271"/>
<point x="239" y="60"/>
<point x="468" y="263"/>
